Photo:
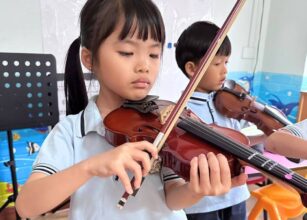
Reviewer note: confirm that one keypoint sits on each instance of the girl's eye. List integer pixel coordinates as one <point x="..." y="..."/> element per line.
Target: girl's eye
<point x="126" y="54"/>
<point x="154" y="56"/>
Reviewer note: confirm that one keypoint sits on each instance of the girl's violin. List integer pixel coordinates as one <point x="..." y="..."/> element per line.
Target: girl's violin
<point x="137" y="121"/>
<point x="234" y="101"/>
<point x="133" y="123"/>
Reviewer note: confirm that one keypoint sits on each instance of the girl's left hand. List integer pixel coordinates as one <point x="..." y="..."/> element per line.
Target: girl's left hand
<point x="209" y="175"/>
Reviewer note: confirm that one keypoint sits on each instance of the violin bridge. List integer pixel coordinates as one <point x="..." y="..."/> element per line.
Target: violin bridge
<point x="165" y="112"/>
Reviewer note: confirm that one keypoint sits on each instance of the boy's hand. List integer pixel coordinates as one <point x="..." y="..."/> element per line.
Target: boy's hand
<point x="131" y="156"/>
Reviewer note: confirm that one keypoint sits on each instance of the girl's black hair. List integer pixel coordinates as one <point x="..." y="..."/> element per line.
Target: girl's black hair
<point x="98" y="20"/>
<point x="194" y="42"/>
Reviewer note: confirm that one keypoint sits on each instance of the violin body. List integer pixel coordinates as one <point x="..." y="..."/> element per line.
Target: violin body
<point x="189" y="138"/>
<point x="128" y="125"/>
<point x="234" y="101"/>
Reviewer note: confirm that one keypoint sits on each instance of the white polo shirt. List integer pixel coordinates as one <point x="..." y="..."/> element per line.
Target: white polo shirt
<point x="299" y="129"/>
<point x="202" y="105"/>
<point x="78" y="137"/>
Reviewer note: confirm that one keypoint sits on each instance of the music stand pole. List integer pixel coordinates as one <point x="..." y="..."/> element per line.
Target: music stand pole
<point x="11" y="164"/>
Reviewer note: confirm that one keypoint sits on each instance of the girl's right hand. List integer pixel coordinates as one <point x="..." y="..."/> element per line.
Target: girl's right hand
<point x="133" y="156"/>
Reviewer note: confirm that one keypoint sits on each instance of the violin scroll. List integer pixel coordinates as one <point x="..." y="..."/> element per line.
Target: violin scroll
<point x="234" y="101"/>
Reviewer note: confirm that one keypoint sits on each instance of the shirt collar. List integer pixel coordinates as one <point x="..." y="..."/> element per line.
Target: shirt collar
<point x="201" y="97"/>
<point x="90" y="119"/>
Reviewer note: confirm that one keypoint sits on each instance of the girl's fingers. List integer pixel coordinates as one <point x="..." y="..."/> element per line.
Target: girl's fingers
<point x="143" y="158"/>
<point x="224" y="170"/>
<point x="136" y="169"/>
<point x="144" y="150"/>
<point x="134" y="157"/>
<point x="239" y="180"/>
<point x="210" y="175"/>
<point x="204" y="174"/>
<point x="194" y="176"/>
<point x="124" y="178"/>
<point x="149" y="147"/>
<point x="214" y="168"/>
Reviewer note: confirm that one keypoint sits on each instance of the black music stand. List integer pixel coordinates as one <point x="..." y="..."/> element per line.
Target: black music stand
<point x="28" y="97"/>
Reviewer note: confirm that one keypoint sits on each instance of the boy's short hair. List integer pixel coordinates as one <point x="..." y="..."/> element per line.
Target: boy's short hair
<point x="194" y="42"/>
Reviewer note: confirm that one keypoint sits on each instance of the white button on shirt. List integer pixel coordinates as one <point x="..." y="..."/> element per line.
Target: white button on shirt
<point x="78" y="137"/>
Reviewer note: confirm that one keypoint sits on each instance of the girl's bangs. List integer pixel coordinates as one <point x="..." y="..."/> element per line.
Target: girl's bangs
<point x="146" y="22"/>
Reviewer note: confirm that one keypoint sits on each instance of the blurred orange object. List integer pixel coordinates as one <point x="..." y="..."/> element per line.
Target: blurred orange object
<point x="280" y="203"/>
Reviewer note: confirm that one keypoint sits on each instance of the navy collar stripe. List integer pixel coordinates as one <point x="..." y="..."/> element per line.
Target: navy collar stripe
<point x="82" y="124"/>
<point x="199" y="99"/>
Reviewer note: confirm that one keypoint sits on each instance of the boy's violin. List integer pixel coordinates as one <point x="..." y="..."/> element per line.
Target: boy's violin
<point x="137" y="121"/>
<point x="234" y="101"/>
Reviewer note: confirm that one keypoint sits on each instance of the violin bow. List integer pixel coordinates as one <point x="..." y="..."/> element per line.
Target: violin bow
<point x="206" y="60"/>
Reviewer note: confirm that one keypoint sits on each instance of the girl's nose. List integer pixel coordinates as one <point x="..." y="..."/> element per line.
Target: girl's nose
<point x="142" y="67"/>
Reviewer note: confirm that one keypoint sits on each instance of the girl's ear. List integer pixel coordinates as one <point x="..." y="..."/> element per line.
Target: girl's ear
<point x="190" y="68"/>
<point x="86" y="58"/>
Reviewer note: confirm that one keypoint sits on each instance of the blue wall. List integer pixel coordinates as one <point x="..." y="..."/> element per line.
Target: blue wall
<point x="304" y="83"/>
<point x="23" y="139"/>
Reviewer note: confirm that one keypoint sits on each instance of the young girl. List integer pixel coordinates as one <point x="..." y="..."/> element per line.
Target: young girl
<point x="121" y="43"/>
<point x="290" y="141"/>
<point x="192" y="45"/>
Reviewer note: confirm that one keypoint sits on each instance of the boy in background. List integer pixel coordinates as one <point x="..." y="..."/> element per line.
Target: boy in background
<point x="192" y="44"/>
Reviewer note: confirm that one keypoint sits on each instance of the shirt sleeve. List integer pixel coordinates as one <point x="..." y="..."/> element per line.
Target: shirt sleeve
<point x="299" y="129"/>
<point x="56" y="152"/>
<point x="168" y="174"/>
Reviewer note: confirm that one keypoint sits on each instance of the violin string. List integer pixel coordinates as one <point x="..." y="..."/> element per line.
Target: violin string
<point x="217" y="137"/>
<point x="277" y="167"/>
<point x="281" y="170"/>
<point x="235" y="147"/>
